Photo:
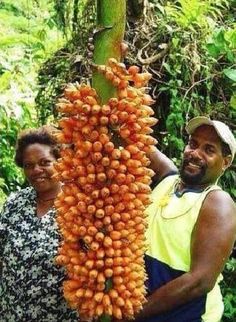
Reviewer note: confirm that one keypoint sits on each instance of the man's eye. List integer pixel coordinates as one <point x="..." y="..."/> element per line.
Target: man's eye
<point x="192" y="144"/>
<point x="210" y="150"/>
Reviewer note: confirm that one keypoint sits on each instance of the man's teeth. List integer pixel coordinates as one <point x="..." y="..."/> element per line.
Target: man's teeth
<point x="193" y="165"/>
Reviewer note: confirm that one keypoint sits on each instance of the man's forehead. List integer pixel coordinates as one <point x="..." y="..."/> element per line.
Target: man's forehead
<point x="208" y="133"/>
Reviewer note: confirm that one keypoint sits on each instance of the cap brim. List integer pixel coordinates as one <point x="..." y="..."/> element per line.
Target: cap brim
<point x="194" y="123"/>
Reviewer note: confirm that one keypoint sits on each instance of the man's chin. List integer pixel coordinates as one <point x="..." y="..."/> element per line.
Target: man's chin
<point x="191" y="178"/>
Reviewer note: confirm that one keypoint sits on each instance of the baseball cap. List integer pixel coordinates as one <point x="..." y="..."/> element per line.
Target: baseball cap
<point x="222" y="130"/>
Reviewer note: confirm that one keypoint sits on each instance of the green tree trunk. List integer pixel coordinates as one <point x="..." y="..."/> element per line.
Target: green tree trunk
<point x="111" y="18"/>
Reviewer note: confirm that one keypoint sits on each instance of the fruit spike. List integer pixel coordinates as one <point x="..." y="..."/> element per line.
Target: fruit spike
<point x="105" y="176"/>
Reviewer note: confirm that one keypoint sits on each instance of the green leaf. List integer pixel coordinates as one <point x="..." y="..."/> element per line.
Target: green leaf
<point x="231" y="56"/>
<point x="230" y="73"/>
<point x="233" y="101"/>
<point x="5" y="81"/>
<point x="219" y="38"/>
<point x="175" y="42"/>
<point x="213" y="50"/>
<point x="217" y="44"/>
<point x="167" y="67"/>
<point x="12" y="40"/>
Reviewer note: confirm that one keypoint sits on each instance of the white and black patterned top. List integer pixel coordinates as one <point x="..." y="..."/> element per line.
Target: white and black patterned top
<point x="30" y="282"/>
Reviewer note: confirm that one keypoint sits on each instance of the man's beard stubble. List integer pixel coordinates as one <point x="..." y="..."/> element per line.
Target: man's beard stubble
<point x="191" y="179"/>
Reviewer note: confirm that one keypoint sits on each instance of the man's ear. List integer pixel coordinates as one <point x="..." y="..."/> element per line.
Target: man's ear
<point x="227" y="162"/>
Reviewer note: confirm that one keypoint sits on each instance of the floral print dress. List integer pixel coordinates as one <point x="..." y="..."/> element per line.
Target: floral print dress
<point x="30" y="281"/>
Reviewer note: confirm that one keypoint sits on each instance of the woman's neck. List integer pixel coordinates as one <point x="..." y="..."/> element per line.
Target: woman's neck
<point x="45" y="200"/>
<point x="50" y="194"/>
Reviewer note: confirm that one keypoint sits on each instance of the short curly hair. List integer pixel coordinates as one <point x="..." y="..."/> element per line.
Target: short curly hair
<point x="42" y="135"/>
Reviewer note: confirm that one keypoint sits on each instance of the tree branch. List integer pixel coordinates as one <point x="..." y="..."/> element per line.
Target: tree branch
<point x="154" y="58"/>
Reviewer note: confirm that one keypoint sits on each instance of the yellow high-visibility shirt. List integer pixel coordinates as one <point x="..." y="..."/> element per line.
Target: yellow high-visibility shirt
<point x="171" y="219"/>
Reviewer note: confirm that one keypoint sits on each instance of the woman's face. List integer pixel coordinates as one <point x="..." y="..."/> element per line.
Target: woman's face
<point x="38" y="167"/>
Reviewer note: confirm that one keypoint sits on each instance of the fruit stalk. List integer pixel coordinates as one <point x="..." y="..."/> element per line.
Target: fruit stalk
<point x="111" y="19"/>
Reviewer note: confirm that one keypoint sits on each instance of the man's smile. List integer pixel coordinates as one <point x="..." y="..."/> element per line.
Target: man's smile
<point x="193" y="165"/>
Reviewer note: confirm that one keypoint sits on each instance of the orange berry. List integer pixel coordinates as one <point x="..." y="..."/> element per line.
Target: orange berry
<point x="108" y="272"/>
<point x="105" y="161"/>
<point x="101" y="177"/>
<point x="95" y="109"/>
<point x="109" y="147"/>
<point x="106" y="110"/>
<point x="133" y="70"/>
<point x="116" y="154"/>
<point x="99" y="236"/>
<point x="107" y="242"/>
<point x="97" y="146"/>
<point x="94" y="246"/>
<point x="99" y="263"/>
<point x="104" y="120"/>
<point x="100" y="213"/>
<point x="114" y="120"/>
<point x="98" y="297"/>
<point x="104" y="138"/>
<point x="115" y="235"/>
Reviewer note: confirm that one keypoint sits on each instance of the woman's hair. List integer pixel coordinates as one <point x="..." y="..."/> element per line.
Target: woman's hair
<point x="42" y="135"/>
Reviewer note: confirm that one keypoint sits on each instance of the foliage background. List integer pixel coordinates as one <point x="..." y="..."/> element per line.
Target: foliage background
<point x="188" y="45"/>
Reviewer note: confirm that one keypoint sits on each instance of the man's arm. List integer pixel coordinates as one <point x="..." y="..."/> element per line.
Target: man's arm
<point x="212" y="241"/>
<point x="161" y="165"/>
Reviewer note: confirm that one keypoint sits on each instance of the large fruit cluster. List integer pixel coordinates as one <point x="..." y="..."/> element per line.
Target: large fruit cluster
<point x="105" y="175"/>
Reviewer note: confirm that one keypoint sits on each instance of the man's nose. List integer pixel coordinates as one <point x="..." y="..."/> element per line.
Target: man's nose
<point x="196" y="154"/>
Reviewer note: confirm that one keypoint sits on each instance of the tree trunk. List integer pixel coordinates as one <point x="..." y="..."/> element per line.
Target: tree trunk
<point x="111" y="18"/>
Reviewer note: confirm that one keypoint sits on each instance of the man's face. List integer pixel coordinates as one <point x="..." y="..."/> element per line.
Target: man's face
<point x="203" y="161"/>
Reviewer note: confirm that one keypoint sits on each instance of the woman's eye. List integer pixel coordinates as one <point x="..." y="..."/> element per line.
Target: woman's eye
<point x="28" y="166"/>
<point x="45" y="163"/>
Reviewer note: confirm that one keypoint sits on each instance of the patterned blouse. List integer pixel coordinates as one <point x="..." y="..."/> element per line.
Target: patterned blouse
<point x="30" y="282"/>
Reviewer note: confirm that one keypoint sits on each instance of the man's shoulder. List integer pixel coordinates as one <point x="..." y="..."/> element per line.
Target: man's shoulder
<point x="220" y="195"/>
<point x="220" y="202"/>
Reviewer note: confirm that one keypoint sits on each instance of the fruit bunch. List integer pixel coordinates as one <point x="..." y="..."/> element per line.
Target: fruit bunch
<point x="105" y="175"/>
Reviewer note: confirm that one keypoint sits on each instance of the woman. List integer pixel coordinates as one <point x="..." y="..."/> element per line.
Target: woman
<point x="30" y="282"/>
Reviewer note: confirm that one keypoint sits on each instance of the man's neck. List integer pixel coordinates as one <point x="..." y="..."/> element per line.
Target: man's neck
<point x="182" y="186"/>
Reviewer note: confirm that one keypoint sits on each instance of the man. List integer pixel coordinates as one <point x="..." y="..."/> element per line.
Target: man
<point x="192" y="227"/>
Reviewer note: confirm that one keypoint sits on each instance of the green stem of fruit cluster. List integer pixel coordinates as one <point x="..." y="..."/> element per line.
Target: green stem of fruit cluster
<point x="111" y="18"/>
